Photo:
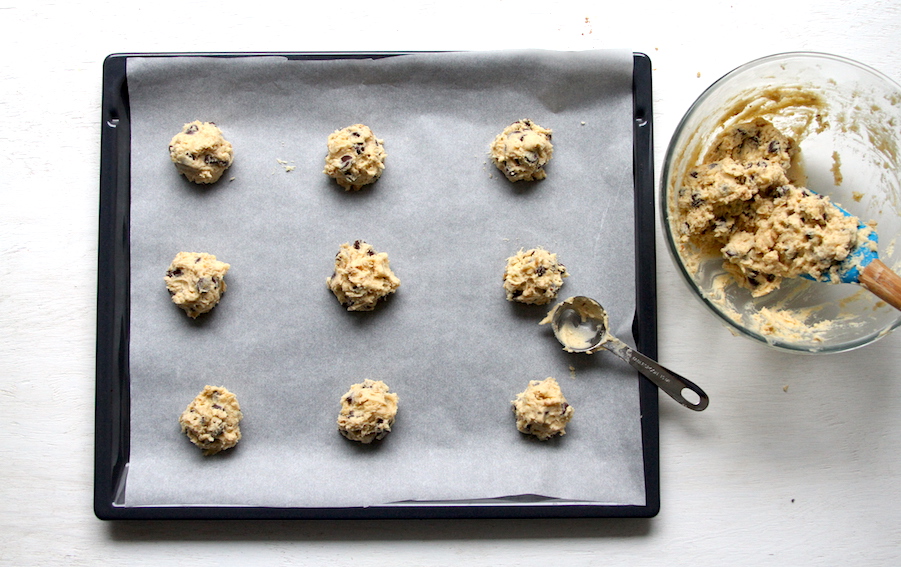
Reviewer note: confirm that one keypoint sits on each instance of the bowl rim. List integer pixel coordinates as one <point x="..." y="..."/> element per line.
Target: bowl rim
<point x="687" y="278"/>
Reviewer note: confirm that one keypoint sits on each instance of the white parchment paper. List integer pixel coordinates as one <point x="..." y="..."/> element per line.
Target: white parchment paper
<point x="448" y="343"/>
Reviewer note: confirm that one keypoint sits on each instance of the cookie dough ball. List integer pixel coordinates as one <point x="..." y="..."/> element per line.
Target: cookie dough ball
<point x="534" y="276"/>
<point x="522" y="150"/>
<point x="200" y="152"/>
<point x="362" y="277"/>
<point x="211" y="420"/>
<point x="355" y="157"/>
<point x="367" y="411"/>
<point x="541" y="410"/>
<point x="196" y="281"/>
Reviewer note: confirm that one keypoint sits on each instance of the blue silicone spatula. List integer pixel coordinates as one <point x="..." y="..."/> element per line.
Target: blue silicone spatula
<point x="863" y="266"/>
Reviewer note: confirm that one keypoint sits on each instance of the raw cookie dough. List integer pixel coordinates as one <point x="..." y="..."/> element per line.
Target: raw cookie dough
<point x="534" y="276"/>
<point x="541" y="410"/>
<point x="211" y="420"/>
<point x="522" y="150"/>
<point x="741" y="203"/>
<point x="355" y="157"/>
<point x="362" y="277"/>
<point x="200" y="152"/>
<point x="196" y="281"/>
<point x="367" y="411"/>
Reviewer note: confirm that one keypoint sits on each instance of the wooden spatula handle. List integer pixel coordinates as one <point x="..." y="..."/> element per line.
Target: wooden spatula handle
<point x="882" y="282"/>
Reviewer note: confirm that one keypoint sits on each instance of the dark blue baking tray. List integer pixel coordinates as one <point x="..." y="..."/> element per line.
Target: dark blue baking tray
<point x="112" y="412"/>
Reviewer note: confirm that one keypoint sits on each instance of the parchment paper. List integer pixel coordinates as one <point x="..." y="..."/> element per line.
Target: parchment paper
<point x="448" y="343"/>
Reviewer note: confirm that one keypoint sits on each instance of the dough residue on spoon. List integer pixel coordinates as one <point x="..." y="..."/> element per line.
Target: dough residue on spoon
<point x="575" y="329"/>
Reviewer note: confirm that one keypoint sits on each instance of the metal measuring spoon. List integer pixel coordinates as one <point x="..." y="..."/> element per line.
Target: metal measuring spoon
<point x="580" y="324"/>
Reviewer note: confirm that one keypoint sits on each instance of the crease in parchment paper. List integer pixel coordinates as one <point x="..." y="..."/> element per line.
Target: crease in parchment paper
<point x="448" y="343"/>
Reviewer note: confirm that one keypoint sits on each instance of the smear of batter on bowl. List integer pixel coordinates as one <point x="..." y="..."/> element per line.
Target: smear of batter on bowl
<point x="741" y="203"/>
<point x="837" y="176"/>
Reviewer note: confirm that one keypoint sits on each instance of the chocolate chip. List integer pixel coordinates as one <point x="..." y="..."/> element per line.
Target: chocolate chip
<point x="191" y="129"/>
<point x="356" y="244"/>
<point x="540" y="270"/>
<point x="174" y="273"/>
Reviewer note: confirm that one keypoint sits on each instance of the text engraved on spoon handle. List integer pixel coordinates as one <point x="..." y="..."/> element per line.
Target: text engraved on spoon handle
<point x="668" y="381"/>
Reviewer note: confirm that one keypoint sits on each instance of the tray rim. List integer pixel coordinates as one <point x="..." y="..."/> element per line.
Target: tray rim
<point x="112" y="400"/>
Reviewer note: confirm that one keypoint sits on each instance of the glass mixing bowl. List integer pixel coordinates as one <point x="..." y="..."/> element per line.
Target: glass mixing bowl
<point x="846" y="119"/>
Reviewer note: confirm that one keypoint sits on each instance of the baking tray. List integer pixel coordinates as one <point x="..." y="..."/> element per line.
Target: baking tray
<point x="113" y="398"/>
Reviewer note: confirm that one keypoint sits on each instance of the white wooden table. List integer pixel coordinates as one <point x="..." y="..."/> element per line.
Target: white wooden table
<point x="768" y="475"/>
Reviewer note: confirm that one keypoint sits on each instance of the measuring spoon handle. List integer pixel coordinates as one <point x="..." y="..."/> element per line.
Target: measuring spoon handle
<point x="665" y="379"/>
